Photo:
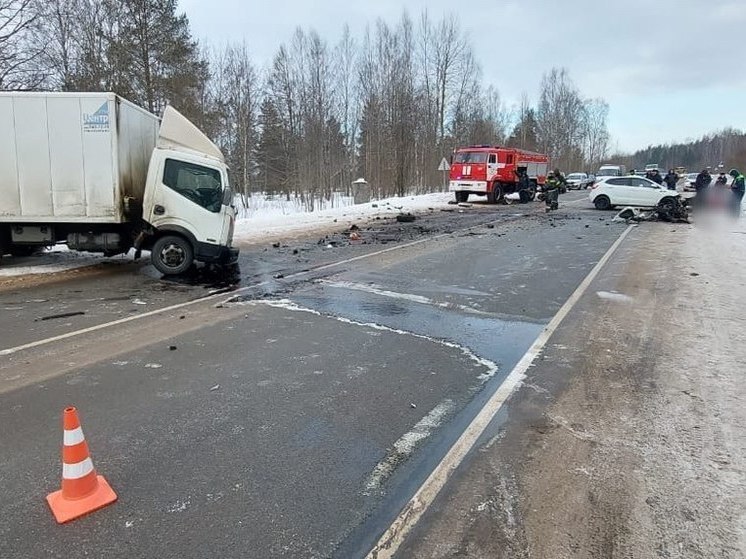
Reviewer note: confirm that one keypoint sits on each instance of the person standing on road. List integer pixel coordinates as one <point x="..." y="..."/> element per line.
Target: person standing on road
<point x="523" y="185"/>
<point x="656" y="177"/>
<point x="671" y="179"/>
<point x="551" y="192"/>
<point x="561" y="180"/>
<point x="738" y="187"/>
<point x="700" y="185"/>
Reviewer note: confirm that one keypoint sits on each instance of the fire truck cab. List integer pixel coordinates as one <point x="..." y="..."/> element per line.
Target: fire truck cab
<point x="492" y="171"/>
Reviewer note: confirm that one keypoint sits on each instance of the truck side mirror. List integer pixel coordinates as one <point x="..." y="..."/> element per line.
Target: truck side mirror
<point x="227" y="196"/>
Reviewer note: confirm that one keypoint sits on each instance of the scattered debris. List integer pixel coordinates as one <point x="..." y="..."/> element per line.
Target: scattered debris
<point x="405" y="218"/>
<point x="694" y="274"/>
<point x="464" y="205"/>
<point x="153" y="365"/>
<point x="214" y="388"/>
<point x="138" y="302"/>
<point x="412" y="405"/>
<point x="452" y="202"/>
<point x="61" y="315"/>
<point x="276" y="245"/>
<point x="278" y="276"/>
<point x="172" y="348"/>
<point x="354" y="227"/>
<point x="355" y="236"/>
<point x="295" y="251"/>
<point x="182" y="317"/>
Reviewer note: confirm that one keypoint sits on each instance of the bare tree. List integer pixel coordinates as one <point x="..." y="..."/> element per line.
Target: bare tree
<point x="595" y="131"/>
<point x="560" y="119"/>
<point x="17" y="52"/>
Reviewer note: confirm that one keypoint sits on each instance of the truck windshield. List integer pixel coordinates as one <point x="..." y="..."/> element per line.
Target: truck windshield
<point x="470" y="157"/>
<point x="608" y="173"/>
<point x="202" y="185"/>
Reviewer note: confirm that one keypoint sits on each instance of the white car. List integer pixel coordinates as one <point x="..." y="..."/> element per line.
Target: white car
<point x="578" y="181"/>
<point x="630" y="190"/>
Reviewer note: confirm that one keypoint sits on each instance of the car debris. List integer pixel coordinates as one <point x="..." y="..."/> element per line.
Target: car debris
<point x="61" y="315"/>
<point x="405" y="218"/>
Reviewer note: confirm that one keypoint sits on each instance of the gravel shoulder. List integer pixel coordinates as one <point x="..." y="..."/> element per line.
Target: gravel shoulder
<point x="628" y="437"/>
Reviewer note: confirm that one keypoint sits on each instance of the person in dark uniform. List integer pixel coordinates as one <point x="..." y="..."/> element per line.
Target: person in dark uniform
<point x="701" y="183"/>
<point x="738" y="187"/>
<point x="671" y="179"/>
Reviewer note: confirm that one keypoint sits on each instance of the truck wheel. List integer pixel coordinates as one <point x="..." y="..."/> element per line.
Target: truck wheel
<point x="495" y="195"/>
<point x="172" y="255"/>
<point x="462" y="196"/>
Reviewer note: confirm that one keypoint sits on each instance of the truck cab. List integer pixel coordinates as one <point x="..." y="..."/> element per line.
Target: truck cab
<point x="188" y="201"/>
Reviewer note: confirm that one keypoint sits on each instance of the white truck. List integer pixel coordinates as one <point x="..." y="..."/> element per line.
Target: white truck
<point x="103" y="175"/>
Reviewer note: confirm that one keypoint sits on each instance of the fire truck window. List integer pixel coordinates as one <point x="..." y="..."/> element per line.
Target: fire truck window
<point x="510" y="160"/>
<point x="493" y="158"/>
<point x="470" y="157"/>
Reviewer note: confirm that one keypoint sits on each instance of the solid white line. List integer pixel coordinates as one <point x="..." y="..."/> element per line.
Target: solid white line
<point x="410" y="514"/>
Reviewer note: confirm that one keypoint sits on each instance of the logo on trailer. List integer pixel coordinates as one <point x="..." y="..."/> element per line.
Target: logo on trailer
<point x="98" y="121"/>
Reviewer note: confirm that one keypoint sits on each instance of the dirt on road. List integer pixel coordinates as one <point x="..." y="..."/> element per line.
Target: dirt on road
<point x="628" y="438"/>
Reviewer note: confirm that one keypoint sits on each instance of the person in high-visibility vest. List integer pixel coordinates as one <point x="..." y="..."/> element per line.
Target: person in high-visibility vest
<point x="551" y="192"/>
<point x="738" y="187"/>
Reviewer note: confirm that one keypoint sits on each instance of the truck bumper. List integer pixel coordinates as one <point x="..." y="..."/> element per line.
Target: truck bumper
<point x="215" y="254"/>
<point x="467" y="186"/>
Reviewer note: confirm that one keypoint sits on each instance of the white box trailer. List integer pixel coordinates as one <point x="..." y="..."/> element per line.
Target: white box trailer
<point x="101" y="174"/>
<point x="72" y="157"/>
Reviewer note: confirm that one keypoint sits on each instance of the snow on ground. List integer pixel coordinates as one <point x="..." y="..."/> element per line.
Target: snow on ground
<point x="278" y="221"/>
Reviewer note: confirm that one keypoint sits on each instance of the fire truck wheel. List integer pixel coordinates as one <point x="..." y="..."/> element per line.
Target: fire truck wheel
<point x="495" y="195"/>
<point x="462" y="196"/>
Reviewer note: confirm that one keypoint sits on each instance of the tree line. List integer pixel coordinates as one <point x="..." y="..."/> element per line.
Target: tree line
<point x="726" y="147"/>
<point x="386" y="105"/>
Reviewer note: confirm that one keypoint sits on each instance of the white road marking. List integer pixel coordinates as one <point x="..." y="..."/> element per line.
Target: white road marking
<point x="406" y="444"/>
<point x="375" y="290"/>
<point x="397" y="532"/>
<point x="289" y="305"/>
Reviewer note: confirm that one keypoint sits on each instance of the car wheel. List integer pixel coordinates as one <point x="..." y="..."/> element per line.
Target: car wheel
<point x="667" y="204"/>
<point x="172" y="255"/>
<point x="462" y="196"/>
<point x="602" y="203"/>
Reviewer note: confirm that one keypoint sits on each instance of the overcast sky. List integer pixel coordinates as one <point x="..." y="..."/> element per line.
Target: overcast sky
<point x="670" y="69"/>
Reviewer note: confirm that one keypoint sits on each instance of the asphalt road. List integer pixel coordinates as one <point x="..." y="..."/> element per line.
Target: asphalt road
<point x="296" y="413"/>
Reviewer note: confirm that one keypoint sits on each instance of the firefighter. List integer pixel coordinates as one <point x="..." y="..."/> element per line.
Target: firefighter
<point x="551" y="191"/>
<point x="561" y="180"/>
<point x="738" y="187"/>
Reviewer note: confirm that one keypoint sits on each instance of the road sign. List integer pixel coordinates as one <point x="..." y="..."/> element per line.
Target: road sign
<point x="444" y="166"/>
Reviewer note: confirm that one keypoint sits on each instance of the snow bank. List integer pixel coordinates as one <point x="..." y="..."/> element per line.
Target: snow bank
<point x="262" y="226"/>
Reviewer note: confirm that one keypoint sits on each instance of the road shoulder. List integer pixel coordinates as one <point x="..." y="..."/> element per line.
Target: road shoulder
<point x="627" y="438"/>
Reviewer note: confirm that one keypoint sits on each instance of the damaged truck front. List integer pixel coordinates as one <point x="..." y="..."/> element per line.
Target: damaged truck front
<point x="100" y="174"/>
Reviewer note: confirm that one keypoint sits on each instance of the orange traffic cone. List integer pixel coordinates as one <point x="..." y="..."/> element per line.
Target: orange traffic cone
<point x="82" y="490"/>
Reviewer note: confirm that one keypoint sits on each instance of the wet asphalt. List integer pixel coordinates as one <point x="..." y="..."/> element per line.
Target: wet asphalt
<point x="304" y="414"/>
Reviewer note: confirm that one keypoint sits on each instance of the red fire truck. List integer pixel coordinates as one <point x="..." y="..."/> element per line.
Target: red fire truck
<point x="491" y="171"/>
